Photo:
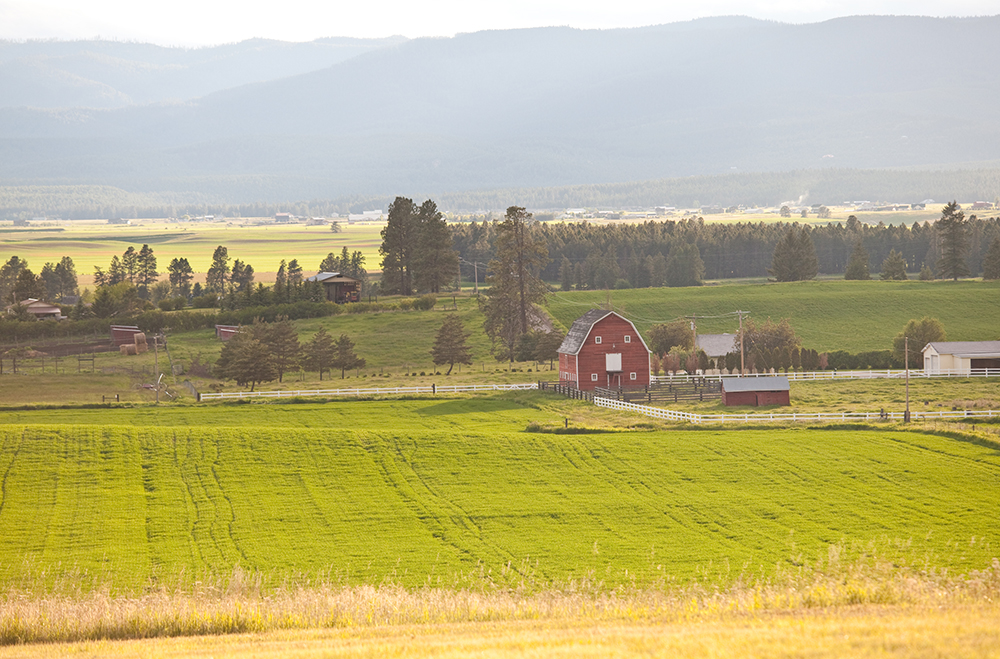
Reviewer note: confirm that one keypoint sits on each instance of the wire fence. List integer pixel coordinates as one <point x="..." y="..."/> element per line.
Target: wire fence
<point x="372" y="391"/>
<point x="840" y="375"/>
<point x="767" y="417"/>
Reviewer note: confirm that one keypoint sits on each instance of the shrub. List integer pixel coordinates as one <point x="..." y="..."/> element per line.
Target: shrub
<point x="425" y="302"/>
<point x="208" y="301"/>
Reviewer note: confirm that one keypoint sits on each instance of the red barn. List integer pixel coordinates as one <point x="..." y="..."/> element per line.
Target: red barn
<point x="755" y="391"/>
<point x="603" y="349"/>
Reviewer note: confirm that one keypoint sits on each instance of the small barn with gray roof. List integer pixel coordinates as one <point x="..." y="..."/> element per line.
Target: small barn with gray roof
<point x="603" y="349"/>
<point x="755" y="391"/>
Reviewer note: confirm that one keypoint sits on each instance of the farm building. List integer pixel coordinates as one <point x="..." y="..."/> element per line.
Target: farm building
<point x="716" y="345"/>
<point x="961" y="356"/>
<point x="226" y="332"/>
<point x="339" y="288"/>
<point x="40" y="310"/>
<point x="755" y="391"/>
<point x="603" y="349"/>
<point x="123" y="334"/>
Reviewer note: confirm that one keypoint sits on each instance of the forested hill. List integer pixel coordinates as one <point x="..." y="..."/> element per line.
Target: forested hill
<point x="115" y="74"/>
<point x="552" y="106"/>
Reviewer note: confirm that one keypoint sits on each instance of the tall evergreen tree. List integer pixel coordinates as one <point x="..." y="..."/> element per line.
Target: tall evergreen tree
<point x="146" y="274"/>
<point x="242" y="276"/>
<point x="344" y="356"/>
<point x="449" y="344"/>
<point x="218" y="273"/>
<point x="894" y="267"/>
<point x="857" y="266"/>
<point x="398" y="237"/>
<point x="951" y="229"/>
<point x="8" y="276"/>
<point x="319" y="352"/>
<point x="283" y="342"/>
<point x="565" y="274"/>
<point x="245" y="359"/>
<point x="435" y="261"/>
<point x="130" y="264"/>
<point x="794" y="257"/>
<point x="991" y="261"/>
<point x="515" y="284"/>
<point x="684" y="265"/>
<point x="180" y="274"/>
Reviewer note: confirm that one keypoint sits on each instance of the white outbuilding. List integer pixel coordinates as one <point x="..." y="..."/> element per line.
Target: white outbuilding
<point x="961" y="357"/>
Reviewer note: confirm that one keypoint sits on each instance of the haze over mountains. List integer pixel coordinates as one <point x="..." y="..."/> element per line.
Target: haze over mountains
<point x="516" y="108"/>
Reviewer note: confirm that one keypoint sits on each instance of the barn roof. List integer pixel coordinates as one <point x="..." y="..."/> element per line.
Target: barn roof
<point x="578" y="332"/>
<point x="966" y="349"/>
<point x="776" y="383"/>
<point x="331" y="278"/>
<point x="717" y="345"/>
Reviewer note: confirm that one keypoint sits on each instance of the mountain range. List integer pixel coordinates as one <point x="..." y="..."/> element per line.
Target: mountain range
<point x="497" y="109"/>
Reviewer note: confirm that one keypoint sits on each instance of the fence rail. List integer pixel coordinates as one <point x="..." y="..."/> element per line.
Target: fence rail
<point x="841" y="375"/>
<point x="766" y="417"/>
<point x="372" y="391"/>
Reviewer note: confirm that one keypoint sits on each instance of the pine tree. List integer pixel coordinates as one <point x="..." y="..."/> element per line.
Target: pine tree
<point x="398" y="239"/>
<point x="857" y="266"/>
<point x="894" y="267"/>
<point x="794" y="257"/>
<point x="180" y="275"/>
<point x="954" y="243"/>
<point x="435" y="261"/>
<point x="515" y="284"/>
<point x="684" y="266"/>
<point x="566" y="274"/>
<point x="146" y="274"/>
<point x="130" y="264"/>
<point x="245" y="359"/>
<point x="318" y="354"/>
<point x="991" y="260"/>
<point x="218" y="273"/>
<point x="449" y="344"/>
<point x="283" y="342"/>
<point x="344" y="356"/>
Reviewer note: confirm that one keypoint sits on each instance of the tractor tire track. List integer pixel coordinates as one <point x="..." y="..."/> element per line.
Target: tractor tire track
<point x="10" y="465"/>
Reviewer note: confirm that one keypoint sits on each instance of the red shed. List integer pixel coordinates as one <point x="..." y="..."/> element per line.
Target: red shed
<point x="123" y="334"/>
<point x="755" y="391"/>
<point x="603" y="349"/>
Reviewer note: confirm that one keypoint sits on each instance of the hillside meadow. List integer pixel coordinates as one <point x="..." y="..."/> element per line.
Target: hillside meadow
<point x="433" y="492"/>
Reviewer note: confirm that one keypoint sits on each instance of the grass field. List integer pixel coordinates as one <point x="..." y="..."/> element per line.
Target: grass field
<point x="93" y="243"/>
<point x="433" y="491"/>
<point x="828" y="315"/>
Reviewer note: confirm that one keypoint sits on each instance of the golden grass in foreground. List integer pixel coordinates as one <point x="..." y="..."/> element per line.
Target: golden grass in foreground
<point x="953" y="631"/>
<point x="865" y="591"/>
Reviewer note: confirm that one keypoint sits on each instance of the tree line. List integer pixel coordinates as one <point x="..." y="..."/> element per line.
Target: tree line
<point x="684" y="252"/>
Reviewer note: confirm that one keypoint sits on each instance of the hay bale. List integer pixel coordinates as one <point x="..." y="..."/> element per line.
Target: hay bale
<point x="140" y="339"/>
<point x="140" y="348"/>
<point x="128" y="349"/>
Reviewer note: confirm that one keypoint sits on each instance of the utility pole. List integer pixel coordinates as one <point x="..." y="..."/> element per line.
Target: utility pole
<point x="156" y="367"/>
<point x="694" y="330"/>
<point x="906" y="348"/>
<point x="742" y="365"/>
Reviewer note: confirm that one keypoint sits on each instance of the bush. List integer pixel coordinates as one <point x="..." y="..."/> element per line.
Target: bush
<point x="208" y="301"/>
<point x="425" y="302"/>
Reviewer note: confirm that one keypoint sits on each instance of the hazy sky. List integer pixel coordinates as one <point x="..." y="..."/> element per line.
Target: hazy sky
<point x="206" y="22"/>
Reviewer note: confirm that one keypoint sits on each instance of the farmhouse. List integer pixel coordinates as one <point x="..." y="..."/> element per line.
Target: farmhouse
<point x="755" y="391"/>
<point x="961" y="356"/>
<point x="339" y="288"/>
<point x="40" y="310"/>
<point x="603" y="349"/>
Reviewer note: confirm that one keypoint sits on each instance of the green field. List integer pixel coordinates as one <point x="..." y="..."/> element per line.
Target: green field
<point x="91" y="243"/>
<point x="827" y="315"/>
<point x="433" y="491"/>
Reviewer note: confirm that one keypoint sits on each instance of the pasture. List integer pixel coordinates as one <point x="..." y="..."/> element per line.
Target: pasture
<point x="438" y="492"/>
<point x="856" y="316"/>
<point x="262" y="245"/>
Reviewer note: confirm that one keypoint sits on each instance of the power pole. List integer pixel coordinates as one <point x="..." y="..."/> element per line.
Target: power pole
<point x="156" y="367"/>
<point x="742" y="365"/>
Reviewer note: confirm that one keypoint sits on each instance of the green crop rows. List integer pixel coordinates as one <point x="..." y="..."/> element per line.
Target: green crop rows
<point x="432" y="490"/>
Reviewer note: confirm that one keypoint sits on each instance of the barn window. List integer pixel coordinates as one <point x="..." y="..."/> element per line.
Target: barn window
<point x="597" y="339"/>
<point x="628" y="339"/>
<point x="593" y="376"/>
<point x="631" y="376"/>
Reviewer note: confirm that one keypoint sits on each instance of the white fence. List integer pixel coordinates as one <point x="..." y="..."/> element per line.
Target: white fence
<point x="372" y="391"/>
<point x="842" y="375"/>
<point x="766" y="417"/>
